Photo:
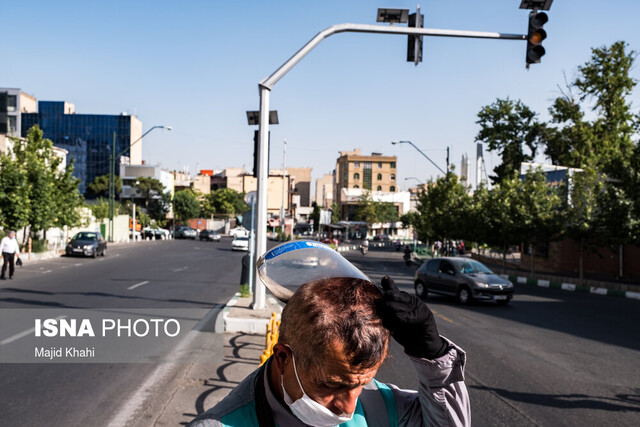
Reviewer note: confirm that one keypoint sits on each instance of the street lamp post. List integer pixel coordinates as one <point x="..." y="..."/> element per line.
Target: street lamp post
<point x="284" y="174"/>
<point x="112" y="171"/>
<point x="420" y="151"/>
<point x="413" y="177"/>
<point x="265" y="86"/>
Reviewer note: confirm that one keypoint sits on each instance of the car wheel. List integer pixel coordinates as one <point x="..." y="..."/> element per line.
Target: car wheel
<point x="464" y="295"/>
<point x="421" y="290"/>
<point x="95" y="253"/>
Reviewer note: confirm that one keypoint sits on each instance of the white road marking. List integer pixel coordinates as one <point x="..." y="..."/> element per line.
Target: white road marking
<point x="137" y="285"/>
<point x="23" y="334"/>
<point x="175" y="270"/>
<point x="77" y="265"/>
<point x="46" y="271"/>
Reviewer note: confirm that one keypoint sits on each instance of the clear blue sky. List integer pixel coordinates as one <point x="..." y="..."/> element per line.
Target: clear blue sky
<point x="195" y="65"/>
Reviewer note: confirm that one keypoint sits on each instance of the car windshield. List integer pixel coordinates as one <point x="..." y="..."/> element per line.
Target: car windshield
<point x="471" y="267"/>
<point x="86" y="236"/>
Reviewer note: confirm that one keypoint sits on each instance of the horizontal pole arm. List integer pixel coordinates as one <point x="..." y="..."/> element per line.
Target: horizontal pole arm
<point x="270" y="81"/>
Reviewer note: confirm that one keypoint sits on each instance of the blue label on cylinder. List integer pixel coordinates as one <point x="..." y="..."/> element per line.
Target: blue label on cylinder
<point x="288" y="247"/>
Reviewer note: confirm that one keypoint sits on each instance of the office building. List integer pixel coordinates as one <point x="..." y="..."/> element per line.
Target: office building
<point x="13" y="102"/>
<point x="88" y="138"/>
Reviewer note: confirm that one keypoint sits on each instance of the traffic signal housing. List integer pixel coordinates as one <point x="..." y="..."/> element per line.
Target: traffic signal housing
<point x="414" y="44"/>
<point x="535" y="36"/>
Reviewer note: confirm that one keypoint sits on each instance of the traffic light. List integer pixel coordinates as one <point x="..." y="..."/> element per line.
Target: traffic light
<point x="535" y="35"/>
<point x="414" y="44"/>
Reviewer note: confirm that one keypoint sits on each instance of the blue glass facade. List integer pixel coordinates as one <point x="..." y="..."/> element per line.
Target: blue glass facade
<point x="87" y="137"/>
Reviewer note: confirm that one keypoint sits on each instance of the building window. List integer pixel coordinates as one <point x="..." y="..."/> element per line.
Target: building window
<point x="393" y="165"/>
<point x="393" y="177"/>
<point x="392" y="188"/>
<point x="12" y="103"/>
<point x="367" y="165"/>
<point x="379" y="188"/>
<point x="13" y="124"/>
<point x="380" y="164"/>
<point x="356" y="175"/>
<point x="356" y="164"/>
<point x="356" y="186"/>
<point x="346" y="176"/>
<point x="379" y="177"/>
<point x="366" y="179"/>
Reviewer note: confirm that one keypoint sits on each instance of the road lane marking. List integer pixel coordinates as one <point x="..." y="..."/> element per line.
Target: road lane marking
<point x="77" y="265"/>
<point x="137" y="285"/>
<point x="46" y="271"/>
<point x="445" y="318"/>
<point x="175" y="270"/>
<point x="23" y="333"/>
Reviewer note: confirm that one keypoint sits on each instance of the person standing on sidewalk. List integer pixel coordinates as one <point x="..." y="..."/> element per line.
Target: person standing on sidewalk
<point x="334" y="336"/>
<point x="9" y="249"/>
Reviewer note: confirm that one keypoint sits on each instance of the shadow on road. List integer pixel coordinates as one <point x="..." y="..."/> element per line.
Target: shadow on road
<point x="620" y="402"/>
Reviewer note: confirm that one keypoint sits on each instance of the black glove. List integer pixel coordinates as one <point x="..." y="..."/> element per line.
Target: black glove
<point x="410" y="322"/>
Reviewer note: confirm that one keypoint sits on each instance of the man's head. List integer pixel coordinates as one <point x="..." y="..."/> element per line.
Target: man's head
<point x="11" y="234"/>
<point x="332" y="329"/>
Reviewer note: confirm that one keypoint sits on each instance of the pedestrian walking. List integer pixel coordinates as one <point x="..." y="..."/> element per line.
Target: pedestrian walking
<point x="10" y="250"/>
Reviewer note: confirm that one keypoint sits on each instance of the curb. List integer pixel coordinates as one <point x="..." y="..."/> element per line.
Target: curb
<point x="247" y="325"/>
<point x="570" y="287"/>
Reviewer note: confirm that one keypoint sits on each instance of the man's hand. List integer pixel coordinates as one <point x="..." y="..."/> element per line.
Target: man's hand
<point x="410" y="321"/>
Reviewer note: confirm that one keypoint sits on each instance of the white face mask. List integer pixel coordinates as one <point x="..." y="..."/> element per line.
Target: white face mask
<point x="308" y="410"/>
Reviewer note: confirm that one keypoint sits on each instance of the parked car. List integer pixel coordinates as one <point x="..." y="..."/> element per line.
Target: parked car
<point x="184" y="232"/>
<point x="464" y="278"/>
<point x="240" y="243"/>
<point x="155" y="233"/>
<point x="239" y="231"/>
<point x="209" y="235"/>
<point x="87" y="243"/>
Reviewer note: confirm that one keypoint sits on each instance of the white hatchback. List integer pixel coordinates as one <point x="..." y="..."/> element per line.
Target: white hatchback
<point x="240" y="243"/>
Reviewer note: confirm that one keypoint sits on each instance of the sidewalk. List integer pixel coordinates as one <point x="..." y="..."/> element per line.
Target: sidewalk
<point x="193" y="388"/>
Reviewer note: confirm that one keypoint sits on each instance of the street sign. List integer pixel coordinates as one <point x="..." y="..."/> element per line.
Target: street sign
<point x="250" y="198"/>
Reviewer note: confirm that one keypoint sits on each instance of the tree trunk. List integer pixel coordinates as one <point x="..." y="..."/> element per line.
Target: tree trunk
<point x="580" y="263"/>
<point x="533" y="258"/>
<point x="504" y="259"/>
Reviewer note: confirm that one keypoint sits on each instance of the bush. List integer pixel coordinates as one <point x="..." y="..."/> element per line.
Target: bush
<point x="38" y="245"/>
<point x="244" y="290"/>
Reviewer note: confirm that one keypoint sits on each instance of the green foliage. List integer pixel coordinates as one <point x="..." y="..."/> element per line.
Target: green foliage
<point x="315" y="216"/>
<point x="443" y="208"/>
<point x="225" y="201"/>
<point x="100" y="186"/>
<point x="335" y="213"/>
<point x="100" y="208"/>
<point x="185" y="205"/>
<point x="33" y="192"/>
<point x="245" y="290"/>
<point x="508" y="127"/>
<point x="39" y="245"/>
<point x="371" y="211"/>
<point x="156" y="202"/>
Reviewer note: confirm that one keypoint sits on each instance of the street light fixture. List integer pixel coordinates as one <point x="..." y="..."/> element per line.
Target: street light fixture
<point x="413" y="177"/>
<point x="112" y="170"/>
<point x="420" y="151"/>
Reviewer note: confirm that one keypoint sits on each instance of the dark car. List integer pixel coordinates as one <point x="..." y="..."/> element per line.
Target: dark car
<point x="464" y="278"/>
<point x="209" y="235"/>
<point x="184" y="232"/>
<point x="87" y="243"/>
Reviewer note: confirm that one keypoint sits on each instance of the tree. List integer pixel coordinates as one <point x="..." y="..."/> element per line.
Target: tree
<point x="100" y="186"/>
<point x="100" y="208"/>
<point x="508" y="127"/>
<point x="67" y="197"/>
<point x="445" y="207"/>
<point x="371" y="211"/>
<point x="14" y="194"/>
<point x="156" y="202"/>
<point x="543" y="211"/>
<point x="314" y="218"/>
<point x="185" y="205"/>
<point x="225" y="201"/>
<point x="335" y="213"/>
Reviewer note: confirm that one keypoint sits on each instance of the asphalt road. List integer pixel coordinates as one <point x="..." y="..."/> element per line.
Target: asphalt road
<point x="550" y="358"/>
<point x="188" y="276"/>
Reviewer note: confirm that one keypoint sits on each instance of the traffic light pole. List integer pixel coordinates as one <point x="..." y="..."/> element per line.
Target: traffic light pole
<point x="265" y="87"/>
